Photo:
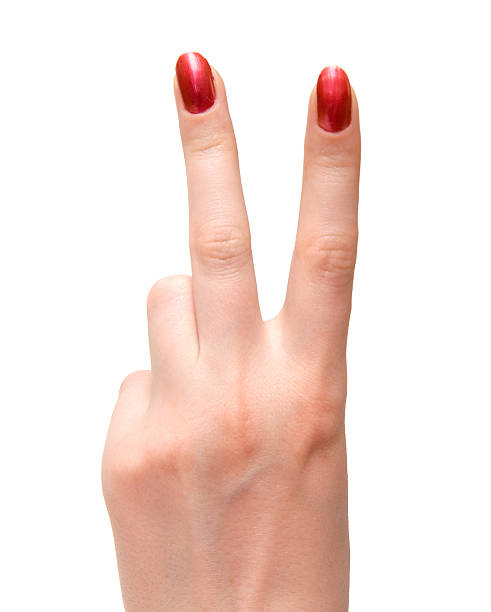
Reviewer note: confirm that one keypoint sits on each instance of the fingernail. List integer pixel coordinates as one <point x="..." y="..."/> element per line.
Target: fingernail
<point x="195" y="82"/>
<point x="333" y="99"/>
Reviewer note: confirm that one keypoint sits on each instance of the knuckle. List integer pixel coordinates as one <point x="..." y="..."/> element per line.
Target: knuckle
<point x="157" y="458"/>
<point x="240" y="435"/>
<point x="333" y="255"/>
<point x="166" y="290"/>
<point x="343" y="156"/>
<point x="134" y="380"/>
<point x="316" y="419"/>
<point x="222" y="245"/>
<point x="132" y="466"/>
<point x="321" y="426"/>
<point x="210" y="144"/>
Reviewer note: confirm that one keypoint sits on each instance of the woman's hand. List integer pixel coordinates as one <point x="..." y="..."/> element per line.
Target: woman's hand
<point x="224" y="470"/>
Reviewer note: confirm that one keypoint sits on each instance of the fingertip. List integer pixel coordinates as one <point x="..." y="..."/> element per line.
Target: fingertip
<point x="333" y="99"/>
<point x="333" y="105"/>
<point x="332" y="148"/>
<point x="196" y="82"/>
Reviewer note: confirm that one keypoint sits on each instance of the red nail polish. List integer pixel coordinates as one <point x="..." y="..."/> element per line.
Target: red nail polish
<point x="333" y="99"/>
<point x="195" y="82"/>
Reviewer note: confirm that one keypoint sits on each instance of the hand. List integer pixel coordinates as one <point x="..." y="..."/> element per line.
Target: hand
<point x="224" y="470"/>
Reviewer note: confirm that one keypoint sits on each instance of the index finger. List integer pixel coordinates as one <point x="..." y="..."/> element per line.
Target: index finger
<point x="224" y="284"/>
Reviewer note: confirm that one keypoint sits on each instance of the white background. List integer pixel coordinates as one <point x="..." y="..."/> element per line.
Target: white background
<point x="93" y="211"/>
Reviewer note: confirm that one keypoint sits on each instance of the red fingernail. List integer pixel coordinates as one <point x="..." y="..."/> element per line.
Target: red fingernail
<point x="333" y="99"/>
<point x="195" y="82"/>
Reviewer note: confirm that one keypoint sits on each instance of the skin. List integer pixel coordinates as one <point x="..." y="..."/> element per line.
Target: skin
<point x="224" y="470"/>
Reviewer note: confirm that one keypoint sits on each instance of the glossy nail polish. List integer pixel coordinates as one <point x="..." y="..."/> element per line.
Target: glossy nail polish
<point x="333" y="99"/>
<point x="195" y="82"/>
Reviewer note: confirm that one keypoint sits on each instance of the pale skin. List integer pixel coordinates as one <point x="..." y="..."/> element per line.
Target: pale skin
<point x="224" y="470"/>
